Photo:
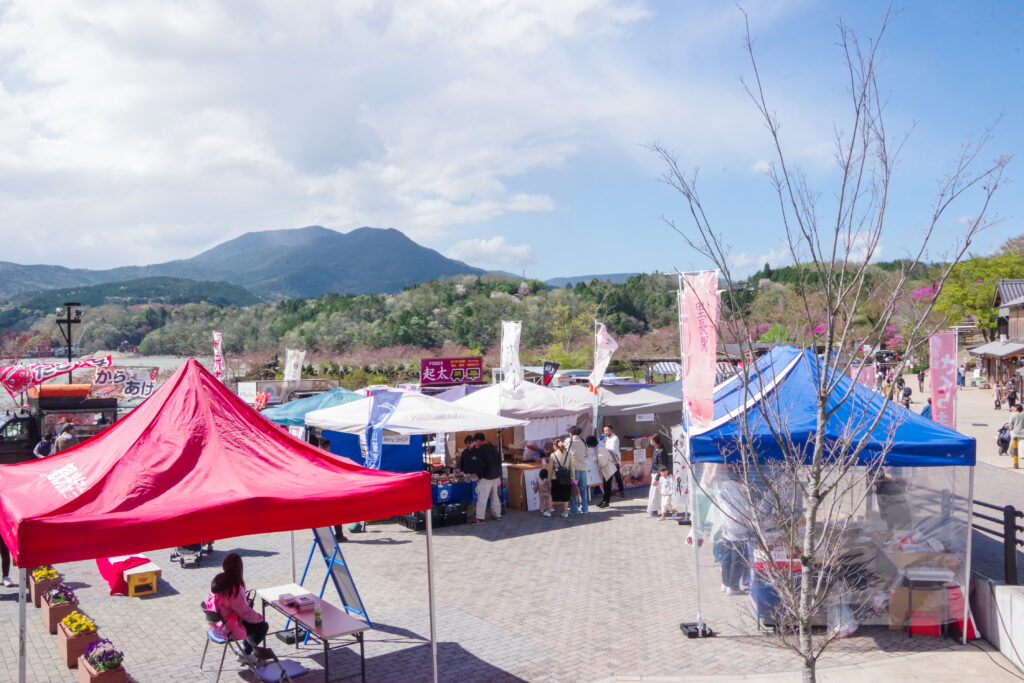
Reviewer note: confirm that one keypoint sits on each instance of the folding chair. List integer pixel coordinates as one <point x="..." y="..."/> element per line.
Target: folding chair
<point x="229" y="642"/>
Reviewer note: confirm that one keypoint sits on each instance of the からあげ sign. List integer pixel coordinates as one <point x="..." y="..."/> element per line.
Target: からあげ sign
<point x="123" y="382"/>
<point x="434" y="371"/>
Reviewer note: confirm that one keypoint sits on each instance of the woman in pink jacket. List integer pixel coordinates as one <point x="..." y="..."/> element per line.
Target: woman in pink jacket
<point x="227" y="597"/>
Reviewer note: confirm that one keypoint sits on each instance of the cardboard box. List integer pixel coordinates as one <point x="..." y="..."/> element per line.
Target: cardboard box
<point x="925" y="600"/>
<point x="903" y="560"/>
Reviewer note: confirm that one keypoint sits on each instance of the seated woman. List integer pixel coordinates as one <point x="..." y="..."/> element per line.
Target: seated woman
<point x="240" y="620"/>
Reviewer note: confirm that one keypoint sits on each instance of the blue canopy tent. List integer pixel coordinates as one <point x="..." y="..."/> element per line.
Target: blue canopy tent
<point x="778" y="396"/>
<point x="784" y="382"/>
<point x="293" y="413"/>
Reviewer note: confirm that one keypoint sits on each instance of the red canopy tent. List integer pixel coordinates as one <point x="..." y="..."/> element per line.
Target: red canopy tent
<point x="193" y="462"/>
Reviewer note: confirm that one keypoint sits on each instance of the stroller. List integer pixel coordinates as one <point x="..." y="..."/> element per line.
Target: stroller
<point x="191" y="555"/>
<point x="1003" y="439"/>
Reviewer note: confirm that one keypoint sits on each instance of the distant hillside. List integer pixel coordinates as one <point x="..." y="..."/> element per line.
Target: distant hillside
<point x="274" y="264"/>
<point x="163" y="290"/>
<point x="617" y="278"/>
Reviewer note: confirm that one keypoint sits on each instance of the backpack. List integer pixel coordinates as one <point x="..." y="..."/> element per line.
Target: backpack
<point x="562" y="473"/>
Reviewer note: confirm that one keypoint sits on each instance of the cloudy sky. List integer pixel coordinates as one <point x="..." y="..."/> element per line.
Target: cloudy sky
<point x="508" y="134"/>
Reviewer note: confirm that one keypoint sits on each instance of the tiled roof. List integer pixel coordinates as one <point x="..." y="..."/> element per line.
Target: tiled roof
<point x="1009" y="293"/>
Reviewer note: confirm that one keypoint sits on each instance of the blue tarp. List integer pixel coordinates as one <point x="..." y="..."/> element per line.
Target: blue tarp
<point x="393" y="458"/>
<point x="293" y="413"/>
<point x="790" y="406"/>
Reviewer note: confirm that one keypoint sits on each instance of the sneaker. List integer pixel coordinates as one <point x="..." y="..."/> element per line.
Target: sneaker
<point x="733" y="591"/>
<point x="724" y="588"/>
<point x="565" y="514"/>
<point x="248" y="659"/>
<point x="7" y="582"/>
<point x="477" y="521"/>
<point x="546" y="514"/>
<point x="661" y="518"/>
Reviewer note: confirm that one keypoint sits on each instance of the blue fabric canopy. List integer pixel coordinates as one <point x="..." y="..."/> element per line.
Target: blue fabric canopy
<point x="293" y="413"/>
<point x="780" y="392"/>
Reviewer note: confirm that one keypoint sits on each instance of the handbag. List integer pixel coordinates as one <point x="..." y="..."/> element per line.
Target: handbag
<point x="562" y="473"/>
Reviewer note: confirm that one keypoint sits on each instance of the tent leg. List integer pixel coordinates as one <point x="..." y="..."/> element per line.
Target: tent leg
<point x="430" y="592"/>
<point x="291" y="536"/>
<point x="970" y="534"/>
<point x="22" y="644"/>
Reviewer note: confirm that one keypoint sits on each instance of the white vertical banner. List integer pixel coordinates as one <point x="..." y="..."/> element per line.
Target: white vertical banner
<point x="604" y="347"/>
<point x="293" y="369"/>
<point x="218" y="358"/>
<point x="511" y="369"/>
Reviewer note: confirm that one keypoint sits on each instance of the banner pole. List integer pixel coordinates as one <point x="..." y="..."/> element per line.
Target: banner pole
<point x="967" y="575"/>
<point x="430" y="591"/>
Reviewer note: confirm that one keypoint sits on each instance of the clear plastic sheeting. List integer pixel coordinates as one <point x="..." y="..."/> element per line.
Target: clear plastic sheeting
<point x="892" y="543"/>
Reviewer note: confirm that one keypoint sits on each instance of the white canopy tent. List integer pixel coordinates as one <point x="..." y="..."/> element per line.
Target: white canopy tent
<point x="416" y="414"/>
<point x="550" y="412"/>
<point x="625" y="400"/>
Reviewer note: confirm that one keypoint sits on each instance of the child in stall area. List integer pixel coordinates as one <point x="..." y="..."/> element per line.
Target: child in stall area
<point x="542" y="487"/>
<point x="665" y="486"/>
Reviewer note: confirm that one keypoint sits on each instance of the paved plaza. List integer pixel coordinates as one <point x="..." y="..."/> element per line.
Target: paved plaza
<point x="590" y="598"/>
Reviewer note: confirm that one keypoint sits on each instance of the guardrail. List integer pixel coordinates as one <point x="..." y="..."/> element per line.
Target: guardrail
<point x="1007" y="531"/>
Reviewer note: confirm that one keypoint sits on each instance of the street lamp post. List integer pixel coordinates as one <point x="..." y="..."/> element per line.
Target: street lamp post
<point x="67" y="315"/>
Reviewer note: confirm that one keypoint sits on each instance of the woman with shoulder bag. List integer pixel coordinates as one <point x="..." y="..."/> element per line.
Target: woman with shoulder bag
<point x="560" y="471"/>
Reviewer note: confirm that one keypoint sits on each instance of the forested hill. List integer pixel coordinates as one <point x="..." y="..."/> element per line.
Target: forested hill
<point x="275" y="264"/>
<point x="152" y="290"/>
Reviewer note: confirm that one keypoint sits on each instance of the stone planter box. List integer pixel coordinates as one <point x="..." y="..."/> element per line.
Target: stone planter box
<point x="86" y="674"/>
<point x="52" y="614"/>
<point x="37" y="589"/>
<point x="72" y="646"/>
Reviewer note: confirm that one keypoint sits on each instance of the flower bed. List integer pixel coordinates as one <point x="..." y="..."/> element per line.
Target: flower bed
<point x="74" y="635"/>
<point x="41" y="580"/>
<point x="59" y="602"/>
<point x="101" y="663"/>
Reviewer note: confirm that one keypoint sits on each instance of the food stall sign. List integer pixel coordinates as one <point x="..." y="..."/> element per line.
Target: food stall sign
<point x="441" y="371"/>
<point x="645" y="417"/>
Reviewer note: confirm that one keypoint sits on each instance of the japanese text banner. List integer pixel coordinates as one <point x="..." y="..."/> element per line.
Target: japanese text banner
<point x="698" y="321"/>
<point x="942" y="377"/>
<point x="17" y="379"/>
<point x="123" y="382"/>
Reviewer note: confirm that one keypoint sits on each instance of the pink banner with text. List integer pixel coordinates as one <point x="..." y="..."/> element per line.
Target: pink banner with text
<point x="942" y="377"/>
<point x="698" y="321"/>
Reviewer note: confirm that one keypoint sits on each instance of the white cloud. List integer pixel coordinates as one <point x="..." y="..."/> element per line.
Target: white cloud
<point x="493" y="253"/>
<point x="144" y="130"/>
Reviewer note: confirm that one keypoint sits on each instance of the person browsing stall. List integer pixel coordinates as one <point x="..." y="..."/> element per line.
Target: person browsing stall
<point x="488" y="488"/>
<point x="611" y="443"/>
<point x="44" y="447"/>
<point x="578" y="459"/>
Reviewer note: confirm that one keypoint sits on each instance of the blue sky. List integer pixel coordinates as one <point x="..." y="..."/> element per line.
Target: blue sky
<point x="507" y="134"/>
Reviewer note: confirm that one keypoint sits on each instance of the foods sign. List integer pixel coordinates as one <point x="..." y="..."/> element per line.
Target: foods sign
<point x="434" y="371"/>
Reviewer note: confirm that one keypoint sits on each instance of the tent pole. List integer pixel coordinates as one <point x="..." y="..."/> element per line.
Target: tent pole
<point x="291" y="537"/>
<point x="22" y="589"/>
<point x="430" y="591"/>
<point x="970" y="534"/>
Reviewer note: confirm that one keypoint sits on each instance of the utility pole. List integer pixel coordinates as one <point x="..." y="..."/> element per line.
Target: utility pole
<point x="68" y="315"/>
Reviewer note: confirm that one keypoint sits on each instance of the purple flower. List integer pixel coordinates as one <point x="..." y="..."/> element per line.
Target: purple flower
<point x="102" y="656"/>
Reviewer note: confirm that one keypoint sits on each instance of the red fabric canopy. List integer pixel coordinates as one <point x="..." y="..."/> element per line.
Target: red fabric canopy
<point x="192" y="463"/>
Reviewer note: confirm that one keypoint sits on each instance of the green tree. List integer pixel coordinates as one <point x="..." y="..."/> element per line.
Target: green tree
<point x="971" y="287"/>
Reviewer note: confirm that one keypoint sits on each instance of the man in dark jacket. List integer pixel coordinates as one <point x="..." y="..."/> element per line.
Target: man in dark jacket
<point x="488" y="487"/>
<point x="469" y="462"/>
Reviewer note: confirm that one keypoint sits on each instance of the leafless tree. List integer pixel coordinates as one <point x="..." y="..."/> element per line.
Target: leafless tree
<point x="800" y="501"/>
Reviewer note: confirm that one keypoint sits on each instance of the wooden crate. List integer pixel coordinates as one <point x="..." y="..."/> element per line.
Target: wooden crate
<point x="142" y="580"/>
